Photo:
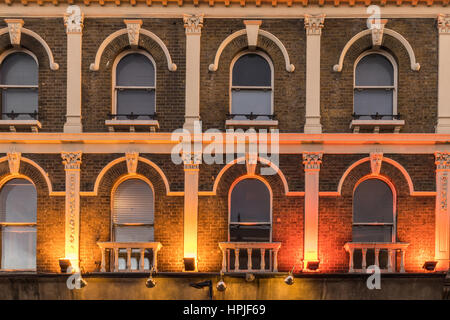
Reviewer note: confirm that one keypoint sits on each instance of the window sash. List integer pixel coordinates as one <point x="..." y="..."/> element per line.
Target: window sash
<point x="8" y="259"/>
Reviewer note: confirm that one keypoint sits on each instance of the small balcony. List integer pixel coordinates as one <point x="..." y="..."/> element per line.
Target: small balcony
<point x="132" y="121"/>
<point x="129" y="256"/>
<point x="250" y="256"/>
<point x="384" y="255"/>
<point x="377" y="122"/>
<point x="20" y="120"/>
<point x="251" y="120"/>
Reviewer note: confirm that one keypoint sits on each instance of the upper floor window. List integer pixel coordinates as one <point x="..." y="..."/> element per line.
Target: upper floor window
<point x="250" y="211"/>
<point x="133" y="219"/>
<point x="252" y="86"/>
<point x="19" y="73"/>
<point x="18" y="206"/>
<point x="134" y="86"/>
<point x="373" y="212"/>
<point x="375" y="86"/>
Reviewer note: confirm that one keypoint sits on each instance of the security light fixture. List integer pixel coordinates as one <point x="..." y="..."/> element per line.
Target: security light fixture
<point x="189" y="264"/>
<point x="312" y="265"/>
<point x="221" y="285"/>
<point x="65" y="265"/>
<point x="150" y="282"/>
<point x="289" y="280"/>
<point x="429" y="265"/>
<point x="249" y="277"/>
<point x="203" y="284"/>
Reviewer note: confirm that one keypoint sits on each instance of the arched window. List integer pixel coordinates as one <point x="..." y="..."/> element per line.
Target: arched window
<point x="19" y="73"/>
<point x="375" y="86"/>
<point x="252" y="86"/>
<point x="18" y="201"/>
<point x="133" y="218"/>
<point x="250" y="211"/>
<point x="373" y="212"/>
<point x="134" y="86"/>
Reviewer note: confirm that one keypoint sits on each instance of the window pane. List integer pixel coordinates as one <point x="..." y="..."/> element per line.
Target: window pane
<point x="374" y="70"/>
<point x="135" y="70"/>
<point x="133" y="233"/>
<point x="258" y="233"/>
<point x="372" y="234"/>
<point x="248" y="101"/>
<point x="133" y="202"/>
<point x="371" y="101"/>
<point x="19" y="248"/>
<point x="373" y="202"/>
<point x="252" y="70"/>
<point x="136" y="101"/>
<point x="18" y="201"/>
<point x="250" y="202"/>
<point x="19" y="69"/>
<point x="19" y="101"/>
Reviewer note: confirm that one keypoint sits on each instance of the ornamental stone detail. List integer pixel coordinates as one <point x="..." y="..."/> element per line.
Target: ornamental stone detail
<point x="193" y="23"/>
<point x="14" y="162"/>
<point x="376" y="159"/>
<point x="191" y="160"/>
<point x="133" y="28"/>
<point x="15" y="30"/>
<point x="132" y="161"/>
<point x="73" y="19"/>
<point x="314" y="24"/>
<point x="312" y="160"/>
<point x="443" y="23"/>
<point x="71" y="160"/>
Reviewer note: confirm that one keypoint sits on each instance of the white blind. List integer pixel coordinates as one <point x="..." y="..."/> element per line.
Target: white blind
<point x="133" y="203"/>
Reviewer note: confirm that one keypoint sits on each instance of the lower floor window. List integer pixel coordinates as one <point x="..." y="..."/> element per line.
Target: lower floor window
<point x="18" y="247"/>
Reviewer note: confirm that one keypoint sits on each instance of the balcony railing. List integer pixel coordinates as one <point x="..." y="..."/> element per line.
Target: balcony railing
<point x="250" y="116"/>
<point x="377" y="116"/>
<point x="250" y="256"/>
<point x="144" y="249"/>
<point x="376" y="249"/>
<point x="132" y="116"/>
<point x="14" y="115"/>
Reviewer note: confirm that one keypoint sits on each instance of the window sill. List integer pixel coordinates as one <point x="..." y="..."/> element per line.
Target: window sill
<point x="34" y="125"/>
<point x="251" y="123"/>
<point x="151" y="124"/>
<point x="395" y="125"/>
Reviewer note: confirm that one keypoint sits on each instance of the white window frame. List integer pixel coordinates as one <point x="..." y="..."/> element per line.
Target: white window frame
<point x="3" y="56"/>
<point x="115" y="88"/>
<point x="18" y="224"/>
<point x="394" y="206"/>
<point x="270" y="223"/>
<point x="271" y="88"/>
<point x="394" y="88"/>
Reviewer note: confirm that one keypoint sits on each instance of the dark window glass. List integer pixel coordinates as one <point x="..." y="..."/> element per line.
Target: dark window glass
<point x="135" y="70"/>
<point x="252" y="70"/>
<point x="374" y="70"/>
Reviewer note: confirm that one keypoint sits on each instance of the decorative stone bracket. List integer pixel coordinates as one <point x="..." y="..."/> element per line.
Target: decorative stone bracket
<point x="133" y="28"/>
<point x="251" y="160"/>
<point x="376" y="159"/>
<point x="132" y="159"/>
<point x="14" y="162"/>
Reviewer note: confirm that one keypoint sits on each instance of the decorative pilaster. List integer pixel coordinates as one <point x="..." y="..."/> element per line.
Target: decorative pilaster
<point x="14" y="162"/>
<point x="15" y="30"/>
<point x="313" y="26"/>
<point x="72" y="162"/>
<point x="312" y="162"/>
<point x="442" y="215"/>
<point x="73" y="20"/>
<point x="443" y="123"/>
<point x="191" y="170"/>
<point x="193" y="25"/>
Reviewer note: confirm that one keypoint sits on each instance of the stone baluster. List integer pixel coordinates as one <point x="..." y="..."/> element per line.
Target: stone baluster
<point x="236" y="259"/>
<point x="377" y="257"/>
<point x="141" y="260"/>
<point x="364" y="262"/>
<point x="103" y="265"/>
<point x="249" y="259"/>
<point x="128" y="259"/>
<point x="351" y="266"/>
<point x="116" y="259"/>
<point x="263" y="260"/>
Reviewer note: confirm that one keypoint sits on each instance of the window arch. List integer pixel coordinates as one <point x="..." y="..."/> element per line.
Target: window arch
<point x="250" y="217"/>
<point x="375" y="86"/>
<point x="251" y="86"/>
<point x="19" y="83"/>
<point x="134" y="85"/>
<point x="133" y="218"/>
<point x="18" y="207"/>
<point x="374" y="202"/>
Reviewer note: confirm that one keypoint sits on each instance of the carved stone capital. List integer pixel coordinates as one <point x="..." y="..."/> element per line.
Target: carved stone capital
<point x="442" y="160"/>
<point x="73" y="19"/>
<point x="191" y="160"/>
<point x="193" y="24"/>
<point x="132" y="161"/>
<point x="133" y="27"/>
<point x="376" y="159"/>
<point x="14" y="162"/>
<point x="71" y="160"/>
<point x="314" y="24"/>
<point x="443" y="24"/>
<point x="15" y="30"/>
<point x="312" y="160"/>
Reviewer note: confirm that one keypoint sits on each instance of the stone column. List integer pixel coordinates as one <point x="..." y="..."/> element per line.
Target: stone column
<point x="193" y="25"/>
<point x="443" y="123"/>
<point x="442" y="216"/>
<point x="312" y="163"/>
<point x="73" y="20"/>
<point x="191" y="170"/>
<point x="313" y="26"/>
<point x="72" y="161"/>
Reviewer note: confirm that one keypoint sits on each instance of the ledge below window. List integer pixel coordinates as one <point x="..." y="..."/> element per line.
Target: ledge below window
<point x="33" y="125"/>
<point x="376" y="125"/>
<point x="152" y="125"/>
<point x="251" y="123"/>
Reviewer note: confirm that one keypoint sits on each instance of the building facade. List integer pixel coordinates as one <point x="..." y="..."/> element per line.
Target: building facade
<point x="354" y="96"/>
